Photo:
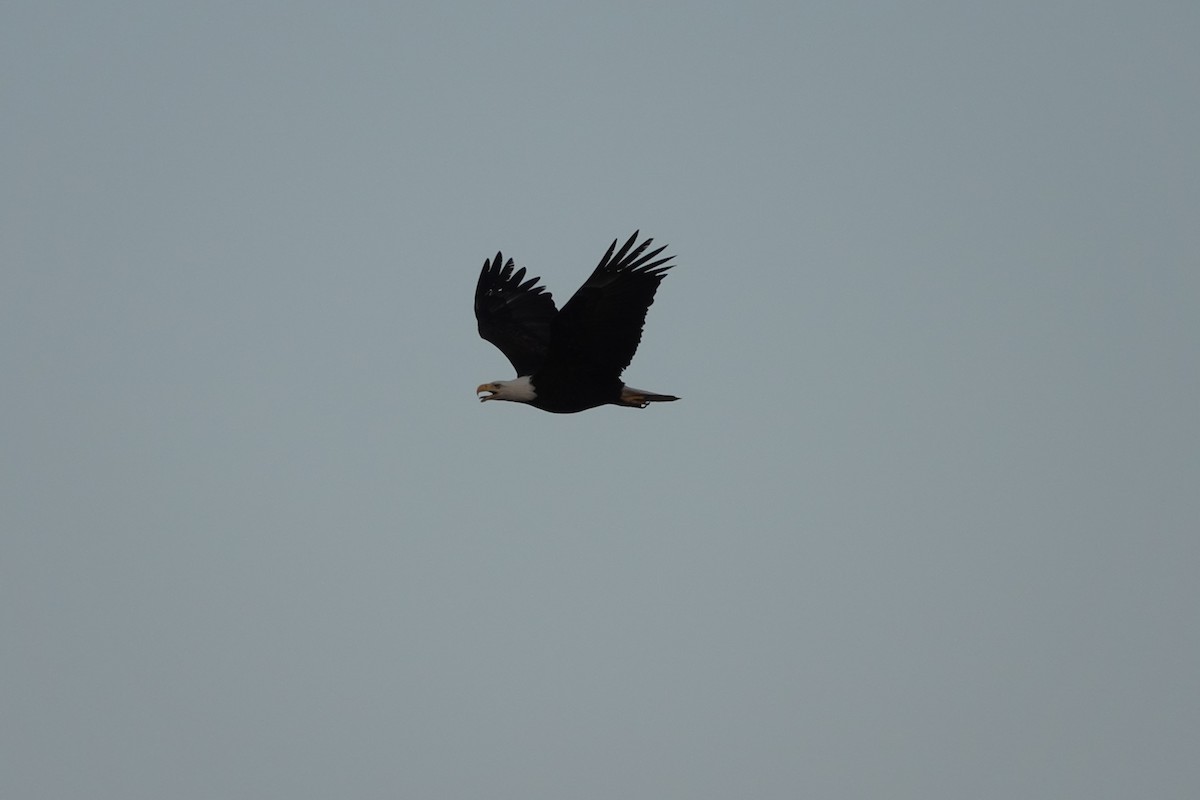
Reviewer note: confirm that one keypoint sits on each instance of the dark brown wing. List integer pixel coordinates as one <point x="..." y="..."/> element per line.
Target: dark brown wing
<point x="601" y="325"/>
<point x="514" y="316"/>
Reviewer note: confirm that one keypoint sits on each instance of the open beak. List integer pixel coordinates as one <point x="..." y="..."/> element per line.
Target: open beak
<point x="486" y="390"/>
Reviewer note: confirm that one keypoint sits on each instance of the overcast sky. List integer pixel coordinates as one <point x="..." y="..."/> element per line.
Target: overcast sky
<point x="924" y="525"/>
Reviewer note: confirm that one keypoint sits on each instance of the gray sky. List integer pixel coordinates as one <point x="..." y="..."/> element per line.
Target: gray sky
<point x="924" y="525"/>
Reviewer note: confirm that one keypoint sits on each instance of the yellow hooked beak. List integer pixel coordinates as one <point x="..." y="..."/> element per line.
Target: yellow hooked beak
<point x="485" y="387"/>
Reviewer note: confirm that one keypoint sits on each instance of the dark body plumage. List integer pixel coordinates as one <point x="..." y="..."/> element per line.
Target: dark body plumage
<point x="574" y="357"/>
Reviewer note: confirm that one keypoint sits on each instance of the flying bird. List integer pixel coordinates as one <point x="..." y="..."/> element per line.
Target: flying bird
<point x="570" y="360"/>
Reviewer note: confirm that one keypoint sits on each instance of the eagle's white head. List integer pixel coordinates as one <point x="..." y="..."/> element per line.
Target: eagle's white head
<point x="518" y="390"/>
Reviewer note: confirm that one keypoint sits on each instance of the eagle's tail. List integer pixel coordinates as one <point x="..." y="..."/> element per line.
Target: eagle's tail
<point x="640" y="398"/>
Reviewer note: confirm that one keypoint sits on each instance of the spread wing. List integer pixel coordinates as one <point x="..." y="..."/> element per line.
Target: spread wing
<point x="514" y="316"/>
<point x="601" y="325"/>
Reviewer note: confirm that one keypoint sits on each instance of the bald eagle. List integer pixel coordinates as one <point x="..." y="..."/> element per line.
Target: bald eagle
<point x="570" y="360"/>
